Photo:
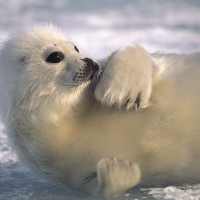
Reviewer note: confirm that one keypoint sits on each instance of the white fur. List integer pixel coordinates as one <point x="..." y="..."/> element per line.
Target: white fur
<point x="61" y="131"/>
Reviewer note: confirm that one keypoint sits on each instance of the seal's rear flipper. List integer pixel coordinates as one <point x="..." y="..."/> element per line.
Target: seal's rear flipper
<point x="114" y="176"/>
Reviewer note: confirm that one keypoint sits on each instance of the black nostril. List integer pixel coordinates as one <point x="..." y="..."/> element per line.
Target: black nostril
<point x="88" y="61"/>
<point x="91" y="65"/>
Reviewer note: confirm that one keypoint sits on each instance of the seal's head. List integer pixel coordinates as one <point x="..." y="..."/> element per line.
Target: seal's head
<point x="41" y="61"/>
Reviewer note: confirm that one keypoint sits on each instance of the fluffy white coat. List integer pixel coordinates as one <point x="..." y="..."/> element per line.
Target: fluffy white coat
<point x="84" y="131"/>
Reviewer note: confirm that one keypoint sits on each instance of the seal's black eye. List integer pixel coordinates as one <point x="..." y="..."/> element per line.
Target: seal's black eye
<point x="55" y="57"/>
<point x="75" y="47"/>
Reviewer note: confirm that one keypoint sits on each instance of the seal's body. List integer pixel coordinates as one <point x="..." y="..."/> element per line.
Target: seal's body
<point x="101" y="134"/>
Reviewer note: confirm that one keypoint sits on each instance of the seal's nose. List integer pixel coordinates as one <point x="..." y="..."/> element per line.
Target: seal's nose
<point x="92" y="67"/>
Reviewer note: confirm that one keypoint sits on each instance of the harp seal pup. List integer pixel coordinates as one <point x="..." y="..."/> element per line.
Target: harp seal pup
<point x="91" y="126"/>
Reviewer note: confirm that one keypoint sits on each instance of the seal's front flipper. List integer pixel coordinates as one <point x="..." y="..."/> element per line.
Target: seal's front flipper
<point x="127" y="78"/>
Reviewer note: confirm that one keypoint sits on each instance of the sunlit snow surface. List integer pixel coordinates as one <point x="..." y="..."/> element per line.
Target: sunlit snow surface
<point x="98" y="27"/>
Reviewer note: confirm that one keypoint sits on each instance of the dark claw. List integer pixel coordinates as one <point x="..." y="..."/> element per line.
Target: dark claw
<point x="92" y="176"/>
<point x="138" y="100"/>
<point x="127" y="102"/>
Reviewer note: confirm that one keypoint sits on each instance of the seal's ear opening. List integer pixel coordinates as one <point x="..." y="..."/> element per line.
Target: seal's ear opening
<point x="23" y="59"/>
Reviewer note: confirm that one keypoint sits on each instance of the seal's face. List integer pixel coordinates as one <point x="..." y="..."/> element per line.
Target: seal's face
<point x="76" y="68"/>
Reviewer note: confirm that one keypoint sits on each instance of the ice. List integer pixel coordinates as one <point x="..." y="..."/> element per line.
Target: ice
<point x="97" y="28"/>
